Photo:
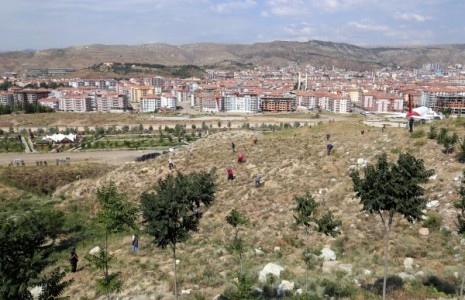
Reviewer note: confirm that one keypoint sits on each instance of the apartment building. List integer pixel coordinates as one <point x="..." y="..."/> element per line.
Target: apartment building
<point x="340" y="104"/>
<point x="30" y="95"/>
<point x="75" y="103"/>
<point x="7" y="98"/>
<point x="150" y="103"/>
<point x="111" y="103"/>
<point x="278" y="104"/>
<point x="138" y="91"/>
<point x="53" y="103"/>
<point x="306" y="99"/>
<point x="444" y="98"/>
<point x="382" y="102"/>
<point x="210" y="102"/>
<point x="243" y="103"/>
<point x="168" y="101"/>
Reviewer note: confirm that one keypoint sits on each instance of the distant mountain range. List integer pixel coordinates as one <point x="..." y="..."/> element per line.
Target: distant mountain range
<point x="278" y="53"/>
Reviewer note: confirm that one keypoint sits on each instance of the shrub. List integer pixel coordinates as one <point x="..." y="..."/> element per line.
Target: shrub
<point x="337" y="290"/>
<point x="392" y="283"/>
<point x="418" y="134"/>
<point x="432" y="221"/>
<point x="440" y="284"/>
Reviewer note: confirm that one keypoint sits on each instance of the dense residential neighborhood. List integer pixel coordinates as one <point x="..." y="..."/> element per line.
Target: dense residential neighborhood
<point x="249" y="91"/>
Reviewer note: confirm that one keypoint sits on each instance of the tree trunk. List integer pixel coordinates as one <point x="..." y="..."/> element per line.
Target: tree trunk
<point x="306" y="264"/>
<point x="240" y="259"/>
<point x="175" y="281"/>
<point x="461" y="286"/>
<point x="387" y="229"/>
<point x="106" y="263"/>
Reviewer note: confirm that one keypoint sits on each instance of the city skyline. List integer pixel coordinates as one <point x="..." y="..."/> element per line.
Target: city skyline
<point x="28" y="24"/>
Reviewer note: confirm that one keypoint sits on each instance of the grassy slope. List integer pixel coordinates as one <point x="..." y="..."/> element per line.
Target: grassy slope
<point x="292" y="162"/>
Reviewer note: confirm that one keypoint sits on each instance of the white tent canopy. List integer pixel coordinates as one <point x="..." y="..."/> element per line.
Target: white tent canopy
<point x="60" y="137"/>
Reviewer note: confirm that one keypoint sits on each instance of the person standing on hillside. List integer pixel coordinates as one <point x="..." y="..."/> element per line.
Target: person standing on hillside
<point x="135" y="243"/>
<point x="230" y="173"/>
<point x="170" y="164"/>
<point x="233" y="146"/>
<point x="73" y="259"/>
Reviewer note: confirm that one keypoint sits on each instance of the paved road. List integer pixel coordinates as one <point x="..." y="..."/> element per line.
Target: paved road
<point x="110" y="157"/>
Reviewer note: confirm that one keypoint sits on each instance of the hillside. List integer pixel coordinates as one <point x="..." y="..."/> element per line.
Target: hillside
<point x="292" y="161"/>
<point x="278" y="53"/>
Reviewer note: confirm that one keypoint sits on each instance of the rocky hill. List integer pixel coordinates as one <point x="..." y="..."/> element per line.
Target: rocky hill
<point x="278" y="53"/>
<point x="292" y="162"/>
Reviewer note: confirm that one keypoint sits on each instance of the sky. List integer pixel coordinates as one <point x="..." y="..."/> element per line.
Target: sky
<point x="44" y="24"/>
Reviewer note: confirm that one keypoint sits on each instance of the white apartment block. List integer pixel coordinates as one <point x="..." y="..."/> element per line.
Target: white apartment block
<point x="75" y="103"/>
<point x="6" y="98"/>
<point x="340" y="105"/>
<point x="241" y="103"/>
<point x="111" y="103"/>
<point x="150" y="103"/>
<point x="168" y="101"/>
<point x="383" y="103"/>
<point x="307" y="100"/>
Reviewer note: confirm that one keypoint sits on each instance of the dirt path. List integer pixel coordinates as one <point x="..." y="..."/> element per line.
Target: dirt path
<point x="109" y="157"/>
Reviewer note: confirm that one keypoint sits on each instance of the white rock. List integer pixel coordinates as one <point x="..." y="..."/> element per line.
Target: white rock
<point x="456" y="179"/>
<point x="36" y="291"/>
<point x="433" y="177"/>
<point x="360" y="161"/>
<point x="94" y="250"/>
<point x="432" y="204"/>
<point x="186" y="292"/>
<point x="408" y="263"/>
<point x="456" y="274"/>
<point x="367" y="272"/>
<point x="423" y="231"/>
<point x="270" y="268"/>
<point x="178" y="261"/>
<point x="419" y="274"/>
<point x="277" y="249"/>
<point x="259" y="252"/>
<point x="405" y="276"/>
<point x="298" y="292"/>
<point x="286" y="285"/>
<point x="327" y="254"/>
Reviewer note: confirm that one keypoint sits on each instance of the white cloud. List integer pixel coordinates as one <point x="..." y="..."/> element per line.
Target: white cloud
<point x="287" y="8"/>
<point x="234" y="5"/>
<point x="298" y="30"/>
<point x="367" y="27"/>
<point x="412" y="17"/>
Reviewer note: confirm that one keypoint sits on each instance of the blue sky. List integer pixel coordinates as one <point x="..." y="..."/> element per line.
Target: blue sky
<point x="42" y="24"/>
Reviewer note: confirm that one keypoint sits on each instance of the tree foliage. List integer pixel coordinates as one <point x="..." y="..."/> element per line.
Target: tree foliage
<point x="26" y="243"/>
<point x="389" y="188"/>
<point x="169" y="210"/>
<point x="236" y="219"/>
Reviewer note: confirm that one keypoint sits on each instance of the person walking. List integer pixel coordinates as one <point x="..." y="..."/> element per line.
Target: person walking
<point x="135" y="243"/>
<point x="170" y="164"/>
<point x="329" y="147"/>
<point x="233" y="146"/>
<point x="257" y="180"/>
<point x="73" y="259"/>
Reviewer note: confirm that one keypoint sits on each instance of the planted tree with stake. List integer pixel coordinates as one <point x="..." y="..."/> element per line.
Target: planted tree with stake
<point x="460" y="223"/>
<point x="116" y="215"/>
<point x="307" y="215"/>
<point x="390" y="188"/>
<point x="171" y="210"/>
<point x="236" y="219"/>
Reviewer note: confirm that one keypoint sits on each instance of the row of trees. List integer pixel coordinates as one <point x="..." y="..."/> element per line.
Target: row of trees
<point x="26" y="107"/>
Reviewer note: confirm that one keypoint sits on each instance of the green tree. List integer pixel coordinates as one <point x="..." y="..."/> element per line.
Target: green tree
<point x="389" y="188"/>
<point x="53" y="285"/>
<point x="116" y="214"/>
<point x="26" y="242"/>
<point x="219" y="124"/>
<point x="236" y="219"/>
<point x="307" y="215"/>
<point x="169" y="210"/>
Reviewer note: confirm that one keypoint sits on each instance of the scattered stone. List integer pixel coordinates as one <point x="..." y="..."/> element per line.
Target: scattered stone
<point x="408" y="263"/>
<point x="178" y="261"/>
<point x="196" y="287"/>
<point x="432" y="204"/>
<point x="186" y="292"/>
<point x="456" y="179"/>
<point x="298" y="292"/>
<point x="433" y="177"/>
<point x="270" y="268"/>
<point x="366" y="272"/>
<point x="424" y="231"/>
<point x="36" y="291"/>
<point x="259" y="252"/>
<point x="405" y="276"/>
<point x="286" y="285"/>
<point x="419" y="274"/>
<point x="94" y="250"/>
<point x="327" y="254"/>
<point x="456" y="274"/>
<point x="277" y="249"/>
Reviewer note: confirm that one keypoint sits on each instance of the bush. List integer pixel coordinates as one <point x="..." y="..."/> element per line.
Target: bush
<point x="392" y="283"/>
<point x="418" y="134"/>
<point x="333" y="289"/>
<point x="440" y="284"/>
<point x="432" y="222"/>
